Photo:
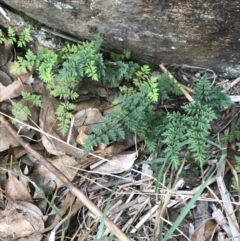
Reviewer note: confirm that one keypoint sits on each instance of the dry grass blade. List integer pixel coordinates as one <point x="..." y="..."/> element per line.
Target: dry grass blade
<point x="89" y="204"/>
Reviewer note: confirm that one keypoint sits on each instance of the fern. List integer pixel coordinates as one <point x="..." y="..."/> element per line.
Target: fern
<point x="198" y="120"/>
<point x="113" y="73"/>
<point x="64" y="116"/>
<point x="45" y="63"/>
<point x="194" y="124"/>
<point x="29" y="61"/>
<point x="1" y="37"/>
<point x="174" y="134"/>
<point x="212" y="96"/>
<point x="141" y="76"/>
<point x="34" y="99"/>
<point x="11" y="36"/>
<point x="135" y="114"/>
<point x="167" y="86"/>
<point x="233" y="135"/>
<point x="91" y="70"/>
<point x="132" y="68"/>
<point x="19" y="111"/>
<point x="24" y="38"/>
<point x="126" y="55"/>
<point x="18" y="67"/>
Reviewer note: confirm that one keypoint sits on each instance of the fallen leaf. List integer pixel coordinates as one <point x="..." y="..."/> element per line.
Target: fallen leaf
<point x="7" y="139"/>
<point x="11" y="91"/>
<point x="205" y="231"/>
<point x="81" y="138"/>
<point x="84" y="120"/>
<point x="118" y="163"/>
<point x="16" y="189"/>
<point x="19" y="220"/>
<point x="46" y="180"/>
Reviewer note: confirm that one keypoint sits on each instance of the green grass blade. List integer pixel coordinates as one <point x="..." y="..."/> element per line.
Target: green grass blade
<point x="191" y="202"/>
<point x="165" y="161"/>
<point x="101" y="226"/>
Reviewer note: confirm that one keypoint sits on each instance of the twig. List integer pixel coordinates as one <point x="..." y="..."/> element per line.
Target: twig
<point x="197" y="67"/>
<point x="85" y="200"/>
<point x="64" y="36"/>
<point x="4" y="14"/>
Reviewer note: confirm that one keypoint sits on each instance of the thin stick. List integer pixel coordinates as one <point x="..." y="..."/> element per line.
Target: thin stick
<point x="85" y="200"/>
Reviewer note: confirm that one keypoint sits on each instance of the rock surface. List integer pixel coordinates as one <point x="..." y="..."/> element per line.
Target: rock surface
<point x="200" y="33"/>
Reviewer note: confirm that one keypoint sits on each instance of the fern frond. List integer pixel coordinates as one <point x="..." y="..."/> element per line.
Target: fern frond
<point x="91" y="70"/>
<point x="1" y="37"/>
<point x="132" y="68"/>
<point x="24" y="38"/>
<point x="211" y="96"/>
<point x="19" y="111"/>
<point x="64" y="116"/>
<point x="168" y="85"/>
<point x="11" y="36"/>
<point x="34" y="99"/>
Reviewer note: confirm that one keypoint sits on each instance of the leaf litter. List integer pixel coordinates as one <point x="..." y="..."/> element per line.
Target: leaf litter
<point x="136" y="207"/>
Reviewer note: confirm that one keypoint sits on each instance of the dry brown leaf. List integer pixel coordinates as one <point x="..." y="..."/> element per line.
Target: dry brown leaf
<point x="115" y="148"/>
<point x="11" y="91"/>
<point x="118" y="163"/>
<point x="7" y="139"/>
<point x="19" y="220"/>
<point x="26" y="77"/>
<point x="16" y="189"/>
<point x="205" y="231"/>
<point x="46" y="180"/>
<point x="81" y="138"/>
<point x="84" y="120"/>
<point x="20" y="227"/>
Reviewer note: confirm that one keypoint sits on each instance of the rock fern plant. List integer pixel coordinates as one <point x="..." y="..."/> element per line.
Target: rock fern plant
<point x="135" y="114"/>
<point x="135" y="110"/>
<point x="62" y="71"/>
